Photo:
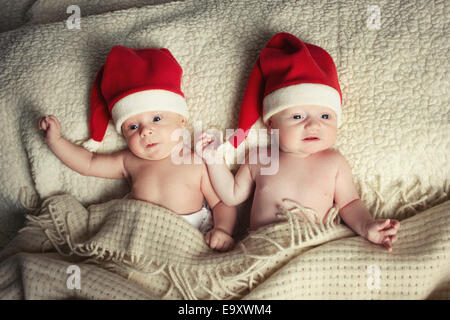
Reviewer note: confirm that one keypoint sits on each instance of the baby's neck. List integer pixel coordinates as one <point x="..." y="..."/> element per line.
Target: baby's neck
<point x="300" y="155"/>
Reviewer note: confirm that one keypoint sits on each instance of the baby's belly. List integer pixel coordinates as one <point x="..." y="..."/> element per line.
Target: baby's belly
<point x="178" y="200"/>
<point x="266" y="204"/>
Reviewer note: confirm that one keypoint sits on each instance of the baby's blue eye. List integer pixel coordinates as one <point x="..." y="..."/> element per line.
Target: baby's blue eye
<point x="133" y="126"/>
<point x="156" y="119"/>
<point x="298" y="116"/>
<point x="325" y="116"/>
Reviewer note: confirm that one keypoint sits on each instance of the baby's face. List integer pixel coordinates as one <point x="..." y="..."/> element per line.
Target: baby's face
<point x="148" y="134"/>
<point x="305" y="129"/>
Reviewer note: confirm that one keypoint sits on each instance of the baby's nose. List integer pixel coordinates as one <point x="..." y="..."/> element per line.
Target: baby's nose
<point x="311" y="122"/>
<point x="146" y="130"/>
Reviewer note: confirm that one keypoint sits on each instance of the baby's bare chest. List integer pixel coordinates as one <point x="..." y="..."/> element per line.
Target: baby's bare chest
<point x="313" y="179"/>
<point x="176" y="187"/>
<point x="163" y="176"/>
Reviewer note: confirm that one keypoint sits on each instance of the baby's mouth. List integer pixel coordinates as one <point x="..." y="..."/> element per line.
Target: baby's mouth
<point x="311" y="139"/>
<point x="150" y="145"/>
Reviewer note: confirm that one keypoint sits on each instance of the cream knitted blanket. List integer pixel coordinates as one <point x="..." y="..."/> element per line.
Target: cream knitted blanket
<point x="129" y="249"/>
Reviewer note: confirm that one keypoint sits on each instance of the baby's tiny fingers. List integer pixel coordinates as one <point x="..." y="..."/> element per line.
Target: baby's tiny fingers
<point x="393" y="238"/>
<point x="205" y="136"/>
<point x="55" y="121"/>
<point x="205" y="143"/>
<point x="389" y="232"/>
<point x="228" y="245"/>
<point x="214" y="242"/>
<point x="208" y="238"/>
<point x="387" y="245"/>
<point x="200" y="146"/>
<point x="201" y="138"/>
<point x="208" y="140"/>
<point x="382" y="224"/>
<point x="220" y="246"/>
<point x="42" y="123"/>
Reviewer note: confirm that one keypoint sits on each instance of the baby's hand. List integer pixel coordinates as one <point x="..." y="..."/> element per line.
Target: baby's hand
<point x="206" y="147"/>
<point x="219" y="240"/>
<point x="51" y="127"/>
<point x="383" y="231"/>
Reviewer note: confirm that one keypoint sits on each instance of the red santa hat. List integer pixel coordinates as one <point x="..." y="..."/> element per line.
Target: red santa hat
<point x="133" y="81"/>
<point x="287" y="73"/>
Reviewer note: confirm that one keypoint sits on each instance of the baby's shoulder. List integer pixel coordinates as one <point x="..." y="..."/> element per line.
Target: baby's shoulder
<point x="332" y="154"/>
<point x="337" y="158"/>
<point x="129" y="158"/>
<point x="332" y="158"/>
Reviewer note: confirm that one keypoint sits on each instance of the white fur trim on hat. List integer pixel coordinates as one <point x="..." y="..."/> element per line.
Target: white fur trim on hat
<point x="302" y="94"/>
<point x="91" y="145"/>
<point x="147" y="100"/>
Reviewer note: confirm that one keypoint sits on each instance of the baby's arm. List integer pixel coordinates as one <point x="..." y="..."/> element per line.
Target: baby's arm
<point x="220" y="237"/>
<point x="355" y="214"/>
<point x="78" y="158"/>
<point x="232" y="190"/>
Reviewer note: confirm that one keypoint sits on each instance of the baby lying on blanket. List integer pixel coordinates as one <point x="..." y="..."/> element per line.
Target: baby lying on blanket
<point x="295" y="85"/>
<point x="140" y="90"/>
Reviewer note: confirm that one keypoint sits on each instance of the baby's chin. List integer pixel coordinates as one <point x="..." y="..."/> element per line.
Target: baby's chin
<point x="163" y="153"/>
<point x="304" y="151"/>
<point x="156" y="155"/>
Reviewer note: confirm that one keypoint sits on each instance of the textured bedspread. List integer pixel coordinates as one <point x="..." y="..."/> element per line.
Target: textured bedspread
<point x="392" y="61"/>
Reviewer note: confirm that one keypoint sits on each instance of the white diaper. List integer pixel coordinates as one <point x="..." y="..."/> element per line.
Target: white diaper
<point x="202" y="220"/>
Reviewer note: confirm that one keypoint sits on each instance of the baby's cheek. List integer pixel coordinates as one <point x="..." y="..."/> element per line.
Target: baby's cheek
<point x="332" y="138"/>
<point x="283" y="136"/>
<point x="133" y="146"/>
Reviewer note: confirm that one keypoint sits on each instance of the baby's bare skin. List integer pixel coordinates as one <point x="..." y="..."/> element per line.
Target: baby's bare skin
<point x="309" y="181"/>
<point x="310" y="173"/>
<point x="176" y="187"/>
<point x="147" y="165"/>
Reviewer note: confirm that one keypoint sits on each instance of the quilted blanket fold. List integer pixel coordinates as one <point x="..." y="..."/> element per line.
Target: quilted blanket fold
<point x="160" y="256"/>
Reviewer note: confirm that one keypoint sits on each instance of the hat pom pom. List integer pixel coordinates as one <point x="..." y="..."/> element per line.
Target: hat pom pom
<point x="91" y="145"/>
